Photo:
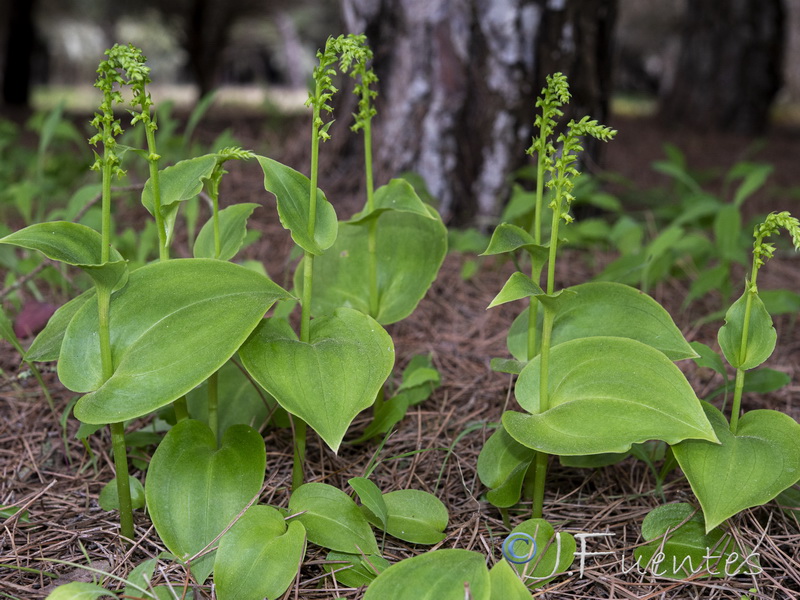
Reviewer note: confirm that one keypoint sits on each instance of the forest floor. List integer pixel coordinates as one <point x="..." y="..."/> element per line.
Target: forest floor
<point x="52" y="477"/>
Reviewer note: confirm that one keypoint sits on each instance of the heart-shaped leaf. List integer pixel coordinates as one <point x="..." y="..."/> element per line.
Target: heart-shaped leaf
<point x="371" y="497"/>
<point x="232" y="231"/>
<point x="437" y="575"/>
<point x="410" y="249"/>
<point x="173" y="325"/>
<point x="73" y="244"/>
<point x="397" y="195"/>
<point x="413" y="516"/>
<point x="258" y="557"/>
<point x="540" y="563"/>
<point x="502" y="464"/>
<point x="506" y="585"/>
<point x="761" y="335"/>
<point x="332" y="519"/>
<point x="329" y="380"/>
<point x="746" y="469"/>
<point x="681" y="548"/>
<point x="510" y="238"/>
<point x="178" y="183"/>
<point x="194" y="489"/>
<point x="605" y="394"/>
<point x="354" y="570"/>
<point x="292" y="191"/>
<point x="607" y="309"/>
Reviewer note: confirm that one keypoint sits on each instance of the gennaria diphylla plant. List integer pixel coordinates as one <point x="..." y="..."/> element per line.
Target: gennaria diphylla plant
<point x="757" y="457"/>
<point x="594" y="361"/>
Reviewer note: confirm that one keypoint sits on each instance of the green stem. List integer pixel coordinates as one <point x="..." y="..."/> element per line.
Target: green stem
<point x="300" y="426"/>
<point x="540" y="468"/>
<point x="214" y="192"/>
<point x="117" y="429"/>
<point x="123" y="480"/>
<point x="105" y="211"/>
<point x="181" y="408"/>
<point x="551" y="260"/>
<point x="372" y="240"/>
<point x="152" y="160"/>
<point x="737" y="399"/>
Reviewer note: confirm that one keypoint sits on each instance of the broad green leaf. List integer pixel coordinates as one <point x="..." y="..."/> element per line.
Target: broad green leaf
<point x="517" y="287"/>
<point x="680" y="547"/>
<point x="761" y="335"/>
<point x="240" y="402"/>
<point x="409" y="251"/>
<point x="506" y="585"/>
<point x="371" y="497"/>
<point x="606" y="393"/>
<point x="780" y="302"/>
<point x="178" y="183"/>
<point x="195" y="489"/>
<point x="757" y="381"/>
<point x="109" y="498"/>
<point x="139" y="578"/>
<point x="728" y="233"/>
<point x="706" y="357"/>
<point x="332" y="519"/>
<point x="753" y="177"/>
<point x="437" y="575"/>
<point x="414" y="516"/>
<point x="397" y="195"/>
<point x="79" y="590"/>
<point x="9" y="511"/>
<point x="385" y="417"/>
<point x="258" y="557"/>
<point x="593" y="461"/>
<point x="607" y="309"/>
<point x="75" y="245"/>
<point x="502" y="464"/>
<point x="47" y="345"/>
<point x="789" y="501"/>
<point x="232" y="230"/>
<point x="510" y="238"/>
<point x="748" y="468"/>
<point x="329" y="380"/>
<point x="554" y="552"/>
<point x="173" y="325"/>
<point x="292" y="191"/>
<point x="353" y="570"/>
<point x="715" y="278"/>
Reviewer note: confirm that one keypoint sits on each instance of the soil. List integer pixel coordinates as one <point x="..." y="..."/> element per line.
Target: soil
<point x="435" y="448"/>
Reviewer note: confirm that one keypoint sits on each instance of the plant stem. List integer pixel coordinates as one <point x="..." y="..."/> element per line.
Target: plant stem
<point x="117" y="429"/>
<point x="540" y="462"/>
<point x="181" y="408"/>
<point x="152" y="160"/>
<point x="123" y="480"/>
<point x="372" y="239"/>
<point x="551" y="260"/>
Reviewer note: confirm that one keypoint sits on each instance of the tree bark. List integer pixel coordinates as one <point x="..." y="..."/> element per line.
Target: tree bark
<point x="729" y="67"/>
<point x="458" y="80"/>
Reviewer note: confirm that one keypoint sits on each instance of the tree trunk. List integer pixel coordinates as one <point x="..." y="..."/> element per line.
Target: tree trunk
<point x="458" y="80"/>
<point x="729" y="68"/>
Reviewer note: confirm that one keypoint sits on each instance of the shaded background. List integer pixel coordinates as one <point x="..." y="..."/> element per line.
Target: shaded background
<point x="458" y="77"/>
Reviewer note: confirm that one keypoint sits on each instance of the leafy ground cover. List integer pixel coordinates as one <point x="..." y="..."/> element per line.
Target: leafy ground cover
<point x="435" y="448"/>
